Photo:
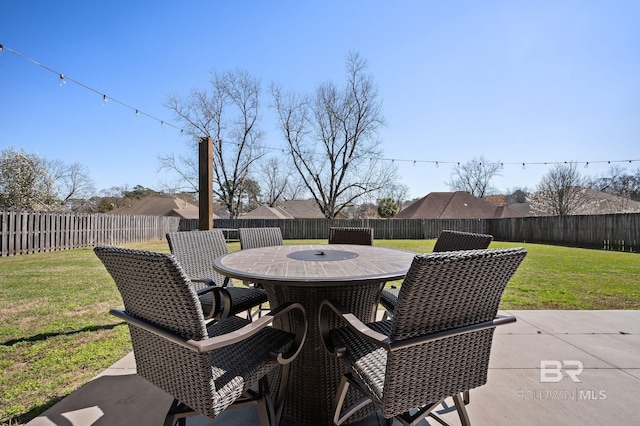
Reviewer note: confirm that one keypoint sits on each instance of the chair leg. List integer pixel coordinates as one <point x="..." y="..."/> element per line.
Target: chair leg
<point x="178" y="412"/>
<point x="462" y="411"/>
<point x="338" y="401"/>
<point x="282" y="391"/>
<point x="266" y="413"/>
<point x="408" y="419"/>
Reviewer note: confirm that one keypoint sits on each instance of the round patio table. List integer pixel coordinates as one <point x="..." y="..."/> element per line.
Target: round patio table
<point x="351" y="274"/>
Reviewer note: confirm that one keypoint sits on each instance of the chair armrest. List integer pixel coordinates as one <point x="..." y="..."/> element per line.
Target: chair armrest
<point x="497" y="321"/>
<point x="207" y="281"/>
<point x="352" y="321"/>
<point x="212" y="283"/>
<point x="254" y="327"/>
<point x="217" y="342"/>
<point x="384" y="341"/>
<point x="221" y="297"/>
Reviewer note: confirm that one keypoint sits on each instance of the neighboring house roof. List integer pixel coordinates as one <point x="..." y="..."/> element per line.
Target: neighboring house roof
<point x="454" y="205"/>
<point x="266" y="212"/>
<point x="160" y="206"/>
<point x="302" y="209"/>
<point x="523" y="208"/>
<point x="596" y="202"/>
<point x="292" y="209"/>
<point x="604" y="203"/>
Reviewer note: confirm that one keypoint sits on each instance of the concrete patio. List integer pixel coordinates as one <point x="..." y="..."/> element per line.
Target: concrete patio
<point x="598" y="382"/>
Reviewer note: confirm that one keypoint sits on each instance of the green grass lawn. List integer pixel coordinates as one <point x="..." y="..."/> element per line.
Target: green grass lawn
<point x="56" y="332"/>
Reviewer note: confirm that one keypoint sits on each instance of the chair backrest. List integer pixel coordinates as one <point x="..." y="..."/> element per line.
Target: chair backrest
<point x="457" y="240"/>
<point x="440" y="292"/>
<point x="155" y="289"/>
<point x="353" y="235"/>
<point x="259" y="237"/>
<point x="196" y="250"/>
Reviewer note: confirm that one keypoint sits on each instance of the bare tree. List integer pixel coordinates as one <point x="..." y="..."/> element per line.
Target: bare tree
<point x="396" y="191"/>
<point x="229" y="115"/>
<point x="74" y="183"/>
<point x="516" y="195"/>
<point x="333" y="139"/>
<point x="561" y="191"/>
<point x="275" y="180"/>
<point x="618" y="182"/>
<point x="474" y="176"/>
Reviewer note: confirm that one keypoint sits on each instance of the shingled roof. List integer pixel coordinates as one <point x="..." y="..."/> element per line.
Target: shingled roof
<point x="292" y="209"/>
<point x="454" y="205"/>
<point x="160" y="206"/>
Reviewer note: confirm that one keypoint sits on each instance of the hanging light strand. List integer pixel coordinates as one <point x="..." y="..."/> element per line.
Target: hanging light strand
<point x="63" y="78"/>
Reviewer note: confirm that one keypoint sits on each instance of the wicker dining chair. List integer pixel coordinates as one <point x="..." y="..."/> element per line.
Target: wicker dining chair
<point x="206" y="366"/>
<point x="195" y="251"/>
<point x="259" y="237"/>
<point x="438" y="343"/>
<point x="447" y="241"/>
<point x="351" y="235"/>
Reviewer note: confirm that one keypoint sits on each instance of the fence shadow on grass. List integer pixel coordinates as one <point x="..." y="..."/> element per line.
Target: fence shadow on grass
<point x="45" y="336"/>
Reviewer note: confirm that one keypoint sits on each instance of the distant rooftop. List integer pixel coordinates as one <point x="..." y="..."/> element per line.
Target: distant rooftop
<point x="454" y="205"/>
<point x="160" y="206"/>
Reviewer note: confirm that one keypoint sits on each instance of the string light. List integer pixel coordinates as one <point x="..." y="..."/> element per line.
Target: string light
<point x="104" y="96"/>
<point x="64" y="78"/>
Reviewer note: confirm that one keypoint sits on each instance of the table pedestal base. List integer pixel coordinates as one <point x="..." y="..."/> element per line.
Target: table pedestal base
<point x="315" y="375"/>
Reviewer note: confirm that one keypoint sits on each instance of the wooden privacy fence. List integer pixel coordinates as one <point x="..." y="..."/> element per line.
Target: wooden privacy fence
<point x="383" y="229"/>
<point x="30" y="232"/>
<point x="618" y="232"/>
<point x="23" y="232"/>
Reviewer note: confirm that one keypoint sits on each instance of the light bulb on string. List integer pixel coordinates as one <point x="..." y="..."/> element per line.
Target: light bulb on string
<point x="137" y="113"/>
<point x="62" y="80"/>
<point x="104" y="100"/>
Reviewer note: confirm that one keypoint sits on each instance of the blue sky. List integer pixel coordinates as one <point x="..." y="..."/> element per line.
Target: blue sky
<point x="512" y="81"/>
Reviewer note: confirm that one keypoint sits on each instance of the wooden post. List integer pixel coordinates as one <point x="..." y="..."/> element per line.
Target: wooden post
<point x="205" y="176"/>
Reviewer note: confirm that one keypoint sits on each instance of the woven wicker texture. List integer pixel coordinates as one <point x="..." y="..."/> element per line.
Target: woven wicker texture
<point x="447" y="241"/>
<point x="456" y="240"/>
<point x="155" y="289"/>
<point x="195" y="251"/>
<point x="314" y="373"/>
<point x="441" y="291"/>
<point x="362" y="236"/>
<point x="153" y="286"/>
<point x="259" y="237"/>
